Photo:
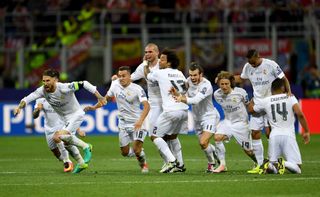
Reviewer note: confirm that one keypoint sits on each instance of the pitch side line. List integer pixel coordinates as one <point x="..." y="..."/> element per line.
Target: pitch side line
<point x="162" y="182"/>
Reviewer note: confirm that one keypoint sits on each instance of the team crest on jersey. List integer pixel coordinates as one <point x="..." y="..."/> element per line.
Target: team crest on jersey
<point x="234" y="99"/>
<point x="203" y="91"/>
<point x="265" y="71"/>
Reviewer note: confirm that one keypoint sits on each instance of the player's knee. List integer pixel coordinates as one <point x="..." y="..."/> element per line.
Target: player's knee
<point x="203" y="144"/>
<point x="218" y="138"/>
<point x="56" y="138"/>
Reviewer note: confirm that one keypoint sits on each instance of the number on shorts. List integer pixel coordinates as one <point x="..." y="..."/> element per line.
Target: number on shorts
<point x="179" y="85"/>
<point x="154" y="130"/>
<point x="245" y="145"/>
<point x="283" y="112"/>
<point x="140" y="134"/>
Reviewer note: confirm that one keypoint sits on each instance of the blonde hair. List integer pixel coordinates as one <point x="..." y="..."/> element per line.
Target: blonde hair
<point x="226" y="75"/>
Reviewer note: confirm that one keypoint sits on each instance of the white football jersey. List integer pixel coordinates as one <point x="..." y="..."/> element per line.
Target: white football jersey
<point x="62" y="100"/>
<point x="200" y="97"/>
<point x="262" y="76"/>
<point x="166" y="79"/>
<point x="233" y="104"/>
<point x="128" y="102"/>
<point x="153" y="86"/>
<point x="51" y="118"/>
<point x="279" y="109"/>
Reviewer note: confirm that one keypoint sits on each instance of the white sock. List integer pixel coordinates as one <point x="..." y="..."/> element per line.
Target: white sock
<point x="258" y="150"/>
<point x="164" y="149"/>
<point x="75" y="153"/>
<point x="272" y="169"/>
<point x="131" y="152"/>
<point x="292" y="167"/>
<point x="64" y="153"/>
<point x="209" y="154"/>
<point x="221" y="152"/>
<point x="61" y="157"/>
<point x="175" y="147"/>
<point x="77" y="142"/>
<point x="141" y="158"/>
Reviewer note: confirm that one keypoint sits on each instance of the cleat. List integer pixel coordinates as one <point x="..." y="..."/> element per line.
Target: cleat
<point x="87" y="154"/>
<point x="210" y="168"/>
<point x="79" y="168"/>
<point x="254" y="170"/>
<point x="179" y="169"/>
<point x="168" y="167"/>
<point x="220" y="168"/>
<point x="144" y="168"/>
<point x="281" y="167"/>
<point x="68" y="166"/>
<point x="264" y="167"/>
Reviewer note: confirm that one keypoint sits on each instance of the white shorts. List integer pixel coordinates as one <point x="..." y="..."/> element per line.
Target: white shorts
<point x="74" y="123"/>
<point x="239" y="130"/>
<point x="209" y="125"/>
<point x="258" y="122"/>
<point x="49" y="132"/>
<point x="282" y="145"/>
<point x="127" y="135"/>
<point x="170" y="123"/>
<point x="153" y="115"/>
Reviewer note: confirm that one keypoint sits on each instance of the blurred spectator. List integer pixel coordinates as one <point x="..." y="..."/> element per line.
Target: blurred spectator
<point x="311" y="81"/>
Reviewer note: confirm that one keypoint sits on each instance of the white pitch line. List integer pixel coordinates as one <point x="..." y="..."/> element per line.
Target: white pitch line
<point x="162" y="182"/>
<point x="129" y="160"/>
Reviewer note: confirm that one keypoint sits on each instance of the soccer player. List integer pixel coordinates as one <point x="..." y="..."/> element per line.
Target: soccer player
<point x="281" y="109"/>
<point x="63" y="100"/>
<point x="129" y="96"/>
<point x="151" y="60"/>
<point x="260" y="72"/>
<point x="52" y="123"/>
<point x="174" y="117"/>
<point x="205" y="116"/>
<point x="233" y="101"/>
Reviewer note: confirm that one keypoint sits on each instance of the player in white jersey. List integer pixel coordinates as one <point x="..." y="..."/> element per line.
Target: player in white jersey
<point x="62" y="99"/>
<point x="174" y="117"/>
<point x="281" y="110"/>
<point x="53" y="123"/>
<point x="233" y="101"/>
<point x="260" y="72"/>
<point x="205" y="116"/>
<point x="129" y="96"/>
<point x="151" y="60"/>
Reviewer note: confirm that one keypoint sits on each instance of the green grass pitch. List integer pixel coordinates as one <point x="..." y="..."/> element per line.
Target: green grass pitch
<point x="29" y="169"/>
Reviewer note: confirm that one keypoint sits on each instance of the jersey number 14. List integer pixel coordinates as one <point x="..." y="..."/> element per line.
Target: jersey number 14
<point x="276" y="108"/>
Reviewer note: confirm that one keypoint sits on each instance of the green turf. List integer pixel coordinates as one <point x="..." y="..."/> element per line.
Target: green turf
<point x="29" y="169"/>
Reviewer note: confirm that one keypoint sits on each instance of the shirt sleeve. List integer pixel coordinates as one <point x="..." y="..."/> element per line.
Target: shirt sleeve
<point x="77" y="85"/>
<point x="245" y="97"/>
<point x="244" y="74"/>
<point x="138" y="73"/>
<point x="110" y="92"/>
<point x="142" y="95"/>
<point x="259" y="107"/>
<point x="277" y="70"/>
<point x="202" y="94"/>
<point x="38" y="93"/>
